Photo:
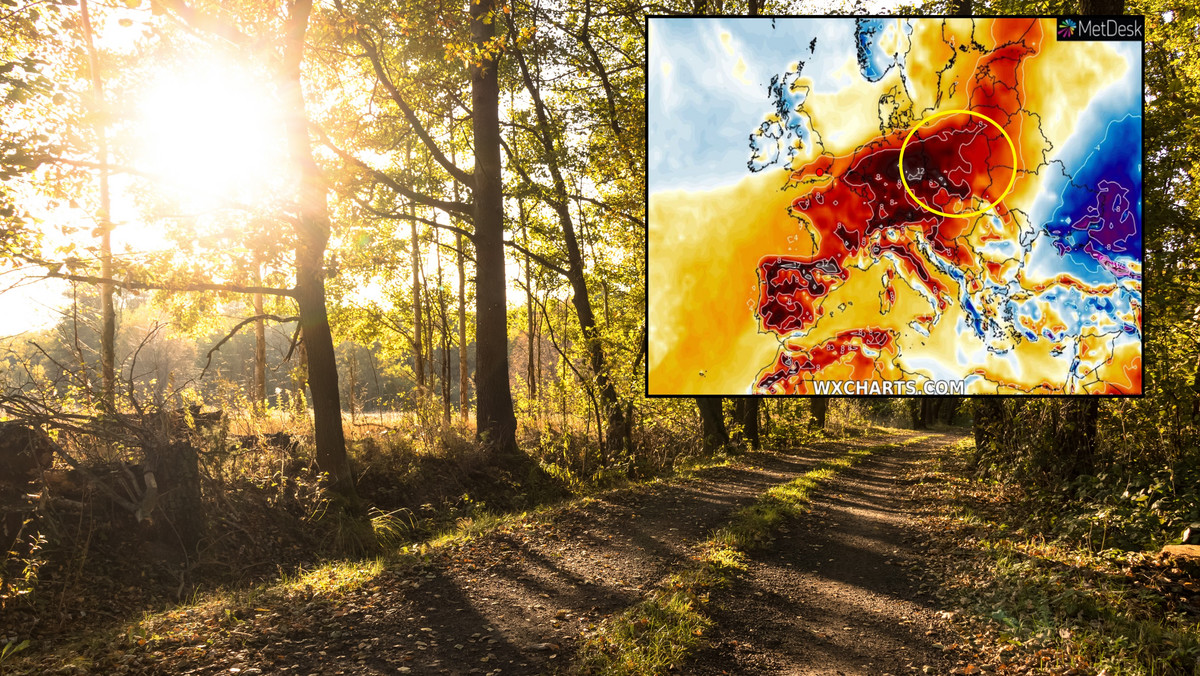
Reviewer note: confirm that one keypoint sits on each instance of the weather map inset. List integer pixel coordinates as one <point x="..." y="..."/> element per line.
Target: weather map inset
<point x="880" y="205"/>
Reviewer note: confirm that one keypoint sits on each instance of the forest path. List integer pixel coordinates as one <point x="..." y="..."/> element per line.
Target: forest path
<point x="521" y="598"/>
<point x="838" y="591"/>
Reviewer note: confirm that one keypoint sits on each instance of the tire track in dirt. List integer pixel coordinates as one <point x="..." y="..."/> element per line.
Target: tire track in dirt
<point x="834" y="594"/>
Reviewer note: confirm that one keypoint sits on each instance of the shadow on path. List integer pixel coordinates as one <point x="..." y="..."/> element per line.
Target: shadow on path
<point x="834" y="593"/>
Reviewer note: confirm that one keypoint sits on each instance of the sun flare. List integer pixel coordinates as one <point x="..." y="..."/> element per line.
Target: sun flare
<point x="214" y="135"/>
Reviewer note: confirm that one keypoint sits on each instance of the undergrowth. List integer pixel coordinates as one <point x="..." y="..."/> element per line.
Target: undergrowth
<point x="1054" y="593"/>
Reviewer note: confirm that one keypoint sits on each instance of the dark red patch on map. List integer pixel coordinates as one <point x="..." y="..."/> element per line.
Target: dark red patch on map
<point x="791" y="369"/>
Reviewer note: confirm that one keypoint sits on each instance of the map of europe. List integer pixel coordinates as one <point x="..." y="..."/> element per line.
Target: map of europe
<point x="893" y="204"/>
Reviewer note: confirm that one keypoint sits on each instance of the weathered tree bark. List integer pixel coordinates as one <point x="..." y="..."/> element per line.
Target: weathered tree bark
<point x="820" y="406"/>
<point x="174" y="470"/>
<point x="108" y="314"/>
<point x="712" y="423"/>
<point x="312" y="236"/>
<point x="496" y="422"/>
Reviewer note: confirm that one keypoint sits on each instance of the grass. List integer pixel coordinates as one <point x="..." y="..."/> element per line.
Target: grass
<point x="658" y="633"/>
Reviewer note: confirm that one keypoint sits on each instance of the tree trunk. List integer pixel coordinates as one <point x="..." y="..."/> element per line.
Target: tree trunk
<point x="418" y="362"/>
<point x="108" y="315"/>
<point x="987" y="420"/>
<point x="312" y="235"/>
<point x="746" y="412"/>
<point x="916" y="412"/>
<point x="496" y="422"/>
<point x="175" y="472"/>
<point x="300" y="379"/>
<point x="1075" y="438"/>
<point x="464" y="370"/>
<point x="531" y="376"/>
<point x="351" y="387"/>
<point x="929" y="411"/>
<point x="618" y="436"/>
<point x="944" y="411"/>
<point x="259" y="396"/>
<point x="820" y="406"/>
<point x="712" y="423"/>
<point x="445" y="327"/>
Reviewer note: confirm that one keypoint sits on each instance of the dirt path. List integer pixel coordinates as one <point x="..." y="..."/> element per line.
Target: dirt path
<point x="541" y="588"/>
<point x="837" y="592"/>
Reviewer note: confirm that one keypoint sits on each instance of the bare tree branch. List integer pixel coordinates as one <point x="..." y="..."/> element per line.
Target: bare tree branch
<point x="238" y="327"/>
<point x="372" y="53"/>
<point x="462" y="209"/>
<point x="207" y="23"/>
<point x="192" y="286"/>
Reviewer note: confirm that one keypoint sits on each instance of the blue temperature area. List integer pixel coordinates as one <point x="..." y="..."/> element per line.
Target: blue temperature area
<point x="873" y="61"/>
<point x="1099" y="211"/>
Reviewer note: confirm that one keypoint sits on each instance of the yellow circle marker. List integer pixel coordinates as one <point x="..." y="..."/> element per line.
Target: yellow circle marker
<point x="968" y="214"/>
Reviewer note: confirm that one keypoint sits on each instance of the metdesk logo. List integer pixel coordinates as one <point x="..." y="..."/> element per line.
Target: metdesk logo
<point x="1100" y="28"/>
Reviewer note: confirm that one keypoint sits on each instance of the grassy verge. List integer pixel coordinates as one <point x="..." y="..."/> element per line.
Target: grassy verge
<point x="660" y="631"/>
<point x="1030" y="601"/>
